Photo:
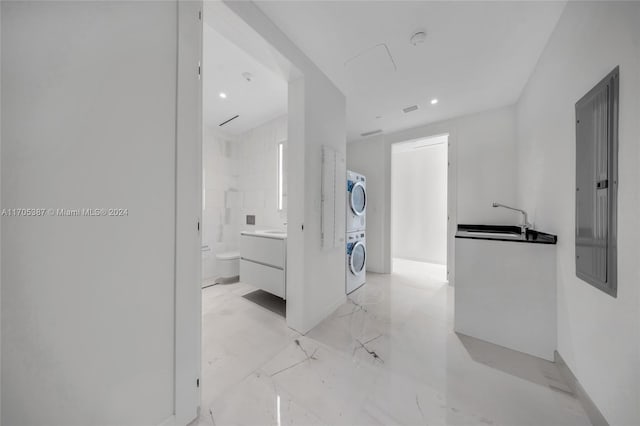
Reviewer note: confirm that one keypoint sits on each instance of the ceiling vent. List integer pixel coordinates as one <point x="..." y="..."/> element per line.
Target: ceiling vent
<point x="371" y="133"/>
<point x="231" y="119"/>
<point x="409" y="109"/>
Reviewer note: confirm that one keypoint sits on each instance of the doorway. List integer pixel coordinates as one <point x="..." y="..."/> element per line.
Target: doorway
<point x="244" y="152"/>
<point x="419" y="200"/>
<point x="244" y="197"/>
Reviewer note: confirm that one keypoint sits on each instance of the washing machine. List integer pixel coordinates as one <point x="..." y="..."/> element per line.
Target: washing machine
<point x="356" y="201"/>
<point x="356" y="260"/>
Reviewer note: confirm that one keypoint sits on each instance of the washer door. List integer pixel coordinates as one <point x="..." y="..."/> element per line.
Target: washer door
<point x="358" y="199"/>
<point x="358" y="258"/>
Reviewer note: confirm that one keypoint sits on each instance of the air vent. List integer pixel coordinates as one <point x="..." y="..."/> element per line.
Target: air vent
<point x="231" y="119"/>
<point x="410" y="108"/>
<point x="373" y="132"/>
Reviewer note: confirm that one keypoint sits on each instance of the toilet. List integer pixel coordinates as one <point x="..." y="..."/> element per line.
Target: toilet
<point x="227" y="266"/>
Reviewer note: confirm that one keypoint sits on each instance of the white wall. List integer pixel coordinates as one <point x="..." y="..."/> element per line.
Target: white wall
<point x="325" y="124"/>
<point x="258" y="175"/>
<point x="419" y="202"/>
<point x="485" y="154"/>
<point x="88" y="302"/>
<point x="0" y="207"/>
<point x="222" y="198"/>
<point x="598" y="336"/>
<point x="482" y="156"/>
<point x="315" y="277"/>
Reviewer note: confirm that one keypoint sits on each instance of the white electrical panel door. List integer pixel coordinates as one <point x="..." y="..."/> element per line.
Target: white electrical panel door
<point x="332" y="187"/>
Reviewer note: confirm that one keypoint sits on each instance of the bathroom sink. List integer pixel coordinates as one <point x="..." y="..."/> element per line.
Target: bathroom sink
<point x="276" y="232"/>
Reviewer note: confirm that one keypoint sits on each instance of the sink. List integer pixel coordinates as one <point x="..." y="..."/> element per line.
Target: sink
<point x="504" y="233"/>
<point x="277" y="232"/>
<point x="495" y="234"/>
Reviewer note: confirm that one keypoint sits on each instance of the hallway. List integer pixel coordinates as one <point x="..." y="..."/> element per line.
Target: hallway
<point x="387" y="356"/>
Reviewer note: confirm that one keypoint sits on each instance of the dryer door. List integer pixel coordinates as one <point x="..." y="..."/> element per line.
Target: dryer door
<point x="358" y="198"/>
<point x="358" y="258"/>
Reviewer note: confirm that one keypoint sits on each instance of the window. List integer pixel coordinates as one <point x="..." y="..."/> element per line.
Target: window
<point x="597" y="185"/>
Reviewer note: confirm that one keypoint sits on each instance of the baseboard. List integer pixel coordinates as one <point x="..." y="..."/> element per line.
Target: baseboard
<point x="595" y="416"/>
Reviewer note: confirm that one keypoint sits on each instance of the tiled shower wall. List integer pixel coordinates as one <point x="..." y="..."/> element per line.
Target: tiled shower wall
<point x="240" y="178"/>
<point x="258" y="176"/>
<point x="221" y="198"/>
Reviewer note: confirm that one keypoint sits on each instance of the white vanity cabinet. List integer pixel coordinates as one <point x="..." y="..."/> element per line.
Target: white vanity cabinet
<point x="263" y="257"/>
<point x="505" y="292"/>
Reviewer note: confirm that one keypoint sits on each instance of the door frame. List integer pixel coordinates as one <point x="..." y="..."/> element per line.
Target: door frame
<point x="188" y="211"/>
<point x="452" y="190"/>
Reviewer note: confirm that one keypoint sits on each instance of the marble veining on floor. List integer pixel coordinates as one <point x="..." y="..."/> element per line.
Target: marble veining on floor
<point x="388" y="356"/>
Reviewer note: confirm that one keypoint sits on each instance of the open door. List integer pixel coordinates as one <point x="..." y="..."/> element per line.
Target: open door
<point x="188" y="210"/>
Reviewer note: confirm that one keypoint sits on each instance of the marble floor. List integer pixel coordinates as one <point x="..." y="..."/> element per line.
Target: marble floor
<point x="388" y="356"/>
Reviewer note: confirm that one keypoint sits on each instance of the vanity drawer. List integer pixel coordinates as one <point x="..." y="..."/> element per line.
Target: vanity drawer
<point x="264" y="277"/>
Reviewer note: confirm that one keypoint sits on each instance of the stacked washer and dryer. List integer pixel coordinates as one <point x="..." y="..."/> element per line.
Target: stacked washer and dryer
<point x="356" y="235"/>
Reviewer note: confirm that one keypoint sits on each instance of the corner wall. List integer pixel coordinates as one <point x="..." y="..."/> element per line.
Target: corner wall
<point x="324" y="124"/>
<point x="598" y="336"/>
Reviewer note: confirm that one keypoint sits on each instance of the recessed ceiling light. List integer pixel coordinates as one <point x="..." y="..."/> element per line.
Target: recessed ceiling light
<point x="434" y="101"/>
<point x="224" y="96"/>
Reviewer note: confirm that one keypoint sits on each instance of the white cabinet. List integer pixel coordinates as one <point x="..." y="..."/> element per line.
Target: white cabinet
<point x="263" y="262"/>
<point x="506" y="294"/>
<point x="265" y="277"/>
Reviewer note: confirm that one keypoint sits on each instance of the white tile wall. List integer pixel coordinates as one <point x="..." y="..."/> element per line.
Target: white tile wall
<point x="221" y="198"/>
<point x="240" y="178"/>
<point x="258" y="175"/>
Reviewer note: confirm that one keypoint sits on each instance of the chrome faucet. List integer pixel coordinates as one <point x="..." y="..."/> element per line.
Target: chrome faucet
<point x="525" y="223"/>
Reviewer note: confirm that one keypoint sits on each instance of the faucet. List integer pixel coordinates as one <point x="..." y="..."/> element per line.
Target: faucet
<point x="525" y="223"/>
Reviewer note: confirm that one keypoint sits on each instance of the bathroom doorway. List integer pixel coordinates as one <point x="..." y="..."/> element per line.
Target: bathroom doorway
<point x="243" y="151"/>
<point x="244" y="192"/>
<point x="419" y="212"/>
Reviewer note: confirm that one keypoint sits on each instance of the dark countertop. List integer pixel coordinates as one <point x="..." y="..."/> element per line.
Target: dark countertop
<point x="504" y="233"/>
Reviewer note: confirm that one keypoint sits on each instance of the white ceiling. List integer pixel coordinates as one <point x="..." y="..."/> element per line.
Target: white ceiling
<point x="477" y="55"/>
<point x="256" y="102"/>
